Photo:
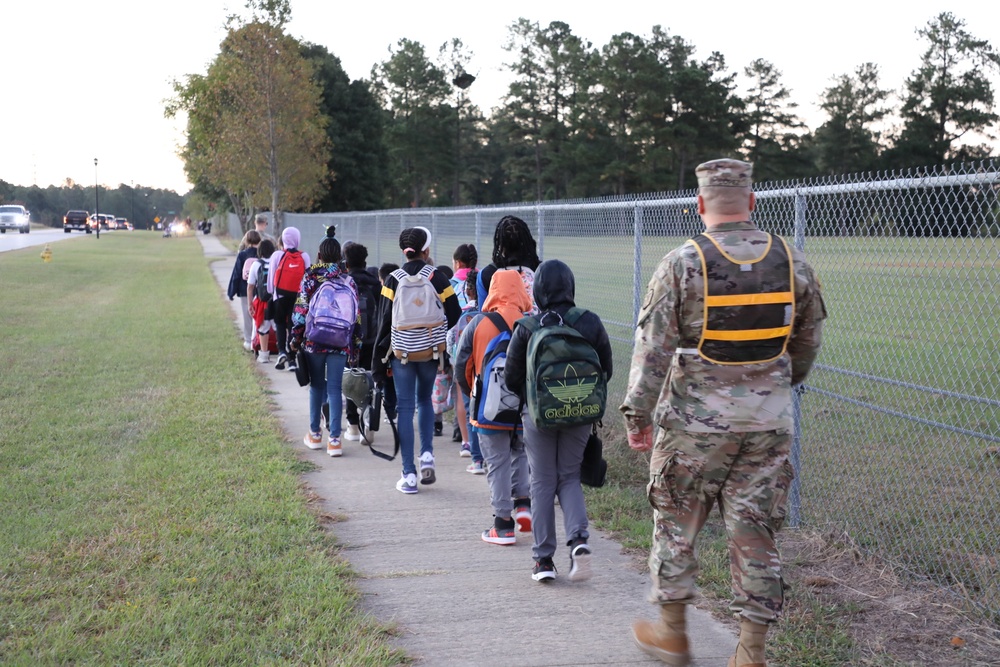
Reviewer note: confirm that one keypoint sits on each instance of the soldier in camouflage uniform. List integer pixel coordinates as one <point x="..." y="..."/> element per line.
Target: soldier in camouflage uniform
<point x="730" y="322"/>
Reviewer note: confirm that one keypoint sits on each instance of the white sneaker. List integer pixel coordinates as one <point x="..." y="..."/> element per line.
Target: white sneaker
<point x="247" y="346"/>
<point x="427" y="475"/>
<point x="264" y="358"/>
<point x="353" y="433"/>
<point x="407" y="484"/>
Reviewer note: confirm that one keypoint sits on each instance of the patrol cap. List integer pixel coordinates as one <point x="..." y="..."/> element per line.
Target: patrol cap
<point x="724" y="173"/>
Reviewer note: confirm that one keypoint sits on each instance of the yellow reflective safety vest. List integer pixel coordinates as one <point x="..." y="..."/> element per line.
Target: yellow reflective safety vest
<point x="749" y="304"/>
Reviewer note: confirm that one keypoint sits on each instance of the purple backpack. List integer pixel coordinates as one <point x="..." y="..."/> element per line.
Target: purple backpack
<point x="333" y="311"/>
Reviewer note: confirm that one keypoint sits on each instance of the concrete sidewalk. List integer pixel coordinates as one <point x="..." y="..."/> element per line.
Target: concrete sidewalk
<point x="456" y="600"/>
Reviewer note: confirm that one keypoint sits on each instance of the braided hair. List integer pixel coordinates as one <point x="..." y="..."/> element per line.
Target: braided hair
<point x="513" y="244"/>
<point x="467" y="255"/>
<point x="329" y="250"/>
<point x="470" y="285"/>
<point x="411" y="241"/>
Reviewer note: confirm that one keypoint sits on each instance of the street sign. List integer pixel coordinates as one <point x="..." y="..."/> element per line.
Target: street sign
<point x="156" y="219"/>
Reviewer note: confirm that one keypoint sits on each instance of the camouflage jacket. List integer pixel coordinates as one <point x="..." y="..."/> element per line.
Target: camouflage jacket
<point x="686" y="392"/>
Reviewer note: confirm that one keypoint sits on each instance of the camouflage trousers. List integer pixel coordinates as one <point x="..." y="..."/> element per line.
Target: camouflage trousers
<point x="749" y="475"/>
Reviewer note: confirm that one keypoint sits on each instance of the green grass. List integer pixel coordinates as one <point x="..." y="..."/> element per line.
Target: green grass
<point x="152" y="511"/>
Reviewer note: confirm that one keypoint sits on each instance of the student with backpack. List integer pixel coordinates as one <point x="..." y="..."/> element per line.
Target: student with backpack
<point x="558" y="363"/>
<point x="238" y="283"/>
<point x="514" y="249"/>
<point x="326" y="324"/>
<point x="470" y="438"/>
<point x="388" y="387"/>
<point x="417" y="308"/>
<point x="463" y="261"/>
<point x="260" y="301"/>
<point x="369" y="288"/>
<point x="284" y="280"/>
<point x="443" y="396"/>
<point x="479" y="367"/>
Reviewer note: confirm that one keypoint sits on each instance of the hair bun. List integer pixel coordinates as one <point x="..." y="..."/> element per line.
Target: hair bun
<point x="331" y="231"/>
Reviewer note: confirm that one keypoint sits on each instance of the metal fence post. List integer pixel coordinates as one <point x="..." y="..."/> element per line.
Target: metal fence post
<point x="540" y="218"/>
<point x="434" y="236"/>
<point x="637" y="256"/>
<point x="794" y="494"/>
<point x="479" y="232"/>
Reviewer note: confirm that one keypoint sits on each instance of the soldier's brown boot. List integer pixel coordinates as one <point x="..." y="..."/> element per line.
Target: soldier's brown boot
<point x="750" y="650"/>
<point x="667" y="640"/>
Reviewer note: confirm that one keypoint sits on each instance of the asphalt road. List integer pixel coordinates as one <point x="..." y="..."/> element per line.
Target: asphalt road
<point x="39" y="236"/>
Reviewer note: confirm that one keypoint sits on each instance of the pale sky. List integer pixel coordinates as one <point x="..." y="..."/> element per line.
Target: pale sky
<point x="85" y="80"/>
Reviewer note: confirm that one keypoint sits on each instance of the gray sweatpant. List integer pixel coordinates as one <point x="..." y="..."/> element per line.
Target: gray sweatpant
<point x="508" y="470"/>
<point x="554" y="457"/>
<point x="247" y="320"/>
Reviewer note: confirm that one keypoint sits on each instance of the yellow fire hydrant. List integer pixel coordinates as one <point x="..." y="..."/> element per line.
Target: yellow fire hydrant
<point x="47" y="254"/>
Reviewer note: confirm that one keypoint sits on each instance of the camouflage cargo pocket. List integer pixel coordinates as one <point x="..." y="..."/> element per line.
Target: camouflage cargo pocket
<point x="779" y="495"/>
<point x="674" y="478"/>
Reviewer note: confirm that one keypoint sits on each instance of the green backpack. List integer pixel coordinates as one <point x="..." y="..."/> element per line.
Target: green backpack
<point x="564" y="385"/>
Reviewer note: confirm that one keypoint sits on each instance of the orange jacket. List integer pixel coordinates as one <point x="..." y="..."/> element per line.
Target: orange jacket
<point x="510" y="299"/>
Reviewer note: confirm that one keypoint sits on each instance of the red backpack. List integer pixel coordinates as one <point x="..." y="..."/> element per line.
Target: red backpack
<point x="288" y="274"/>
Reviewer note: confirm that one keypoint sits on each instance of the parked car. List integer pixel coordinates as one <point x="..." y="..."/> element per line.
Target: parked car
<point x="14" y="216"/>
<point x="79" y="220"/>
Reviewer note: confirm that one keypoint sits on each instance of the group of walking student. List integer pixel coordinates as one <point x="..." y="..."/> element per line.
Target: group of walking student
<point x="494" y="333"/>
<point x="730" y="323"/>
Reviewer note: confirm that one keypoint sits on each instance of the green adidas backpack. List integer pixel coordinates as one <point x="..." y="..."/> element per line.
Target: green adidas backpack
<point x="564" y="385"/>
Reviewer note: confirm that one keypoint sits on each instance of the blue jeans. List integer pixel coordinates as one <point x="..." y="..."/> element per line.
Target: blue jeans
<point x="414" y="386"/>
<point x="477" y="453"/>
<point x="326" y="373"/>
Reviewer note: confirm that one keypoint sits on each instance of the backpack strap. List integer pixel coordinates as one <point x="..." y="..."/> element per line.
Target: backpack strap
<point x="395" y="437"/>
<point x="426" y="272"/>
<point x="573" y="316"/>
<point x="498" y="321"/>
<point x="529" y="323"/>
<point x="399" y="274"/>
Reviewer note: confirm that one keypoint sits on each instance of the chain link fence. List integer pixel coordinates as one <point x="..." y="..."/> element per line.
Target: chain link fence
<point x="898" y="438"/>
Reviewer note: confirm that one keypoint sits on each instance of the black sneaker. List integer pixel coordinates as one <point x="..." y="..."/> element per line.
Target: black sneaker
<point x="544" y="570"/>
<point x="292" y="366"/>
<point x="280" y="364"/>
<point x="438" y="428"/>
<point x="456" y="435"/>
<point x="579" y="560"/>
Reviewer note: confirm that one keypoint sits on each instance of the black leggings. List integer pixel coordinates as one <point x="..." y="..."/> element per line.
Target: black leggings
<point x="281" y="313"/>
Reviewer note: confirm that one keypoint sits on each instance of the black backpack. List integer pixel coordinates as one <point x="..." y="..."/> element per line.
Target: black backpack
<point x="260" y="287"/>
<point x="366" y="307"/>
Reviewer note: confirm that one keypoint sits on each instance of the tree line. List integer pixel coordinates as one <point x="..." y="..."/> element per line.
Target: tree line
<point x="140" y="204"/>
<point x="276" y="124"/>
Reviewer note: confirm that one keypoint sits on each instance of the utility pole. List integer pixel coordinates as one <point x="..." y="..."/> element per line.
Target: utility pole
<point x="97" y="201"/>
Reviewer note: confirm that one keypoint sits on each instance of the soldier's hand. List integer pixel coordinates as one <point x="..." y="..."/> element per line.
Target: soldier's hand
<point x="641" y="441"/>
